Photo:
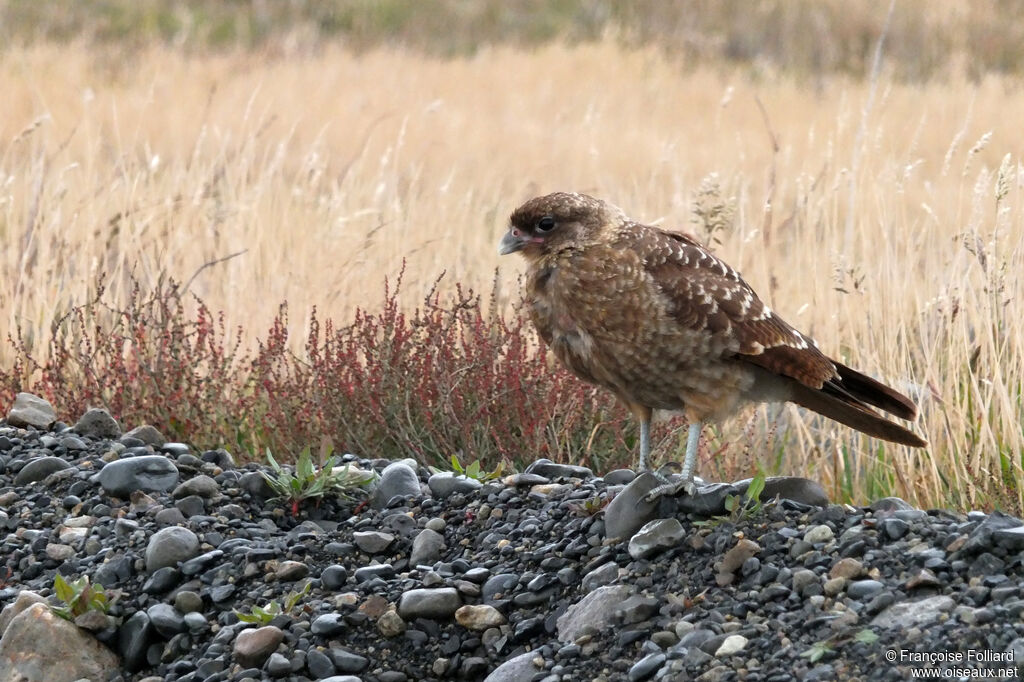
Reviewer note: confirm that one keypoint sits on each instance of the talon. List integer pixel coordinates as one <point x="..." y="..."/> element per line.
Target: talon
<point x="685" y="486"/>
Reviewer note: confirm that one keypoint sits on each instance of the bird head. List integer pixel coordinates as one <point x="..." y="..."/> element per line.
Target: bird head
<point x="556" y="222"/>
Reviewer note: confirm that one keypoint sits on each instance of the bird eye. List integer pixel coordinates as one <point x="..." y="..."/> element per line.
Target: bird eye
<point x="546" y="224"/>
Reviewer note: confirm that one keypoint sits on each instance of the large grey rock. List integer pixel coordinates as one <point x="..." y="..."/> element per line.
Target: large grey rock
<point x="522" y="668"/>
<point x="1010" y="538"/>
<point x="166" y="620"/>
<point x="983" y="536"/>
<point x="254" y="483"/>
<point x="426" y="548"/>
<point x="656" y="536"/>
<point x="628" y="510"/>
<point x="553" y="470"/>
<point x="149" y="473"/>
<point x="347" y="662"/>
<point x="97" y="423"/>
<point x="201" y="485"/>
<point x="397" y="480"/>
<point x="596" y="610"/>
<point x="147" y="434"/>
<point x="907" y="614"/>
<point x="24" y="600"/>
<point x="31" y="411"/>
<point x="602" y="575"/>
<point x="443" y="484"/>
<point x="133" y="638"/>
<point x="169" y="546"/>
<point x="802" y="490"/>
<point x="890" y="504"/>
<point x="427" y="603"/>
<point x="39" y="468"/>
<point x="39" y="646"/>
<point x="372" y="541"/>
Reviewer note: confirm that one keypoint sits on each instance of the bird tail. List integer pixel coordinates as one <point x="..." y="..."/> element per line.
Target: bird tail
<point x="845" y="402"/>
<point x="866" y="389"/>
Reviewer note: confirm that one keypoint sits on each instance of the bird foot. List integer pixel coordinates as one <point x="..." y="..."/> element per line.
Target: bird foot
<point x="672" y="489"/>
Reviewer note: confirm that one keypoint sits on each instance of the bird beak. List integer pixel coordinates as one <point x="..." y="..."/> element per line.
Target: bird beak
<point x="513" y="241"/>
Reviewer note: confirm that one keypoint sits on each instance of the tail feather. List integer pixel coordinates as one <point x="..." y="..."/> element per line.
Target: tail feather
<point x="867" y="390"/>
<point x="849" y="410"/>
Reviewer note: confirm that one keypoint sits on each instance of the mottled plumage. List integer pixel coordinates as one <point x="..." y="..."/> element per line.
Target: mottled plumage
<point x="664" y="324"/>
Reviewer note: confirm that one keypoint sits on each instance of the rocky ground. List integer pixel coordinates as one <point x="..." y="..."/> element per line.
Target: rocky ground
<point x="438" y="577"/>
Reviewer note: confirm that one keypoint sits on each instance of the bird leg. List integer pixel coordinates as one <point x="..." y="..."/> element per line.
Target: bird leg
<point x="685" y="482"/>
<point x="692" y="443"/>
<point x="643" y="415"/>
<point x="645" y="444"/>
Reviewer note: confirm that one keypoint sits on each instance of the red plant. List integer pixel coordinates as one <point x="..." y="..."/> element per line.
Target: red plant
<point x="450" y="376"/>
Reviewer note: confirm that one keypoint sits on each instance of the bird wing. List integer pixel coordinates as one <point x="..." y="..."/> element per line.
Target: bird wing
<point x="705" y="293"/>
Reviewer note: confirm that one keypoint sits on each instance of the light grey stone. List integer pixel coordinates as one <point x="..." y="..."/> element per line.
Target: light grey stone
<point x="907" y="614"/>
<point x="595" y="610"/>
<point x="31" y="411"/>
<point x="97" y="423"/>
<point x="436" y="604"/>
<point x="39" y="468"/>
<point x="629" y="511"/>
<point x="426" y="548"/>
<point x="153" y="473"/>
<point x="656" y="536"/>
<point x="169" y="546"/>
<point x="397" y="480"/>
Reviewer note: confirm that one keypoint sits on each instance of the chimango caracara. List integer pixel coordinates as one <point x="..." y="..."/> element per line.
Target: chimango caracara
<point x="658" y="320"/>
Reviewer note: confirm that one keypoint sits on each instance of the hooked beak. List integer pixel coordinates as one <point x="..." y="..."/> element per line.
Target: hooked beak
<point x="513" y="241"/>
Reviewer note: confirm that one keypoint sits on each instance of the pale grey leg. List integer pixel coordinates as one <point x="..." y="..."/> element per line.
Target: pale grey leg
<point x="685" y="482"/>
<point x="645" y="445"/>
<point x="692" y="445"/>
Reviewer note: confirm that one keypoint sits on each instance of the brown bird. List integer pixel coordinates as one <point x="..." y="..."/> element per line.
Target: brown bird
<point x="658" y="320"/>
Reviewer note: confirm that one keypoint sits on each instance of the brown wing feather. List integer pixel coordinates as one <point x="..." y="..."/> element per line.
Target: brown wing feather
<point x="706" y="293"/>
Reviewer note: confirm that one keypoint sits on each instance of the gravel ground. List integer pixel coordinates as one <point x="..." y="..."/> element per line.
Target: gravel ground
<point x="444" y="578"/>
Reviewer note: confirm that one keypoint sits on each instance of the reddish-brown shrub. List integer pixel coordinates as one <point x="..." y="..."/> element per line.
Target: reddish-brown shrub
<point x="450" y="377"/>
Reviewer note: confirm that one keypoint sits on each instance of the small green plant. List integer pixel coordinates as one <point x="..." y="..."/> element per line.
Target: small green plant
<point x="866" y="636"/>
<point x="750" y="503"/>
<point x="820" y="650"/>
<point x="308" y="483"/>
<point x="79" y="597"/>
<point x="740" y="507"/>
<point x="262" y="615"/>
<point x="817" y="651"/>
<point x="474" y="470"/>
<point x="592" y="505"/>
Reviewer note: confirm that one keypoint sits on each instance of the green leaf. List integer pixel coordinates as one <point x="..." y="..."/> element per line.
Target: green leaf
<point x="273" y="462"/>
<point x="293" y="597"/>
<point x="473" y="471"/>
<point x="62" y="611"/>
<point x="866" y="636"/>
<point x="304" y="465"/>
<point x="816" y="652"/>
<point x="756" y="487"/>
<point x="64" y="591"/>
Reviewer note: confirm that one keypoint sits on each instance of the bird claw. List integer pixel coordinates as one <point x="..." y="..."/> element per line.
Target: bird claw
<point x="685" y="486"/>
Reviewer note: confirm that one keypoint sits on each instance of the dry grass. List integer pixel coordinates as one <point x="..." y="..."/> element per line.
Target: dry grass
<point x="327" y="170"/>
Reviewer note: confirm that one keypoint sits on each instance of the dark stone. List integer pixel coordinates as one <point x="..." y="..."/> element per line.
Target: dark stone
<point x="133" y="639"/>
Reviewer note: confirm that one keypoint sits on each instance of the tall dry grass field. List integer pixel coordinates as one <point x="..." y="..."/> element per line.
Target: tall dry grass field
<point x="895" y="233"/>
